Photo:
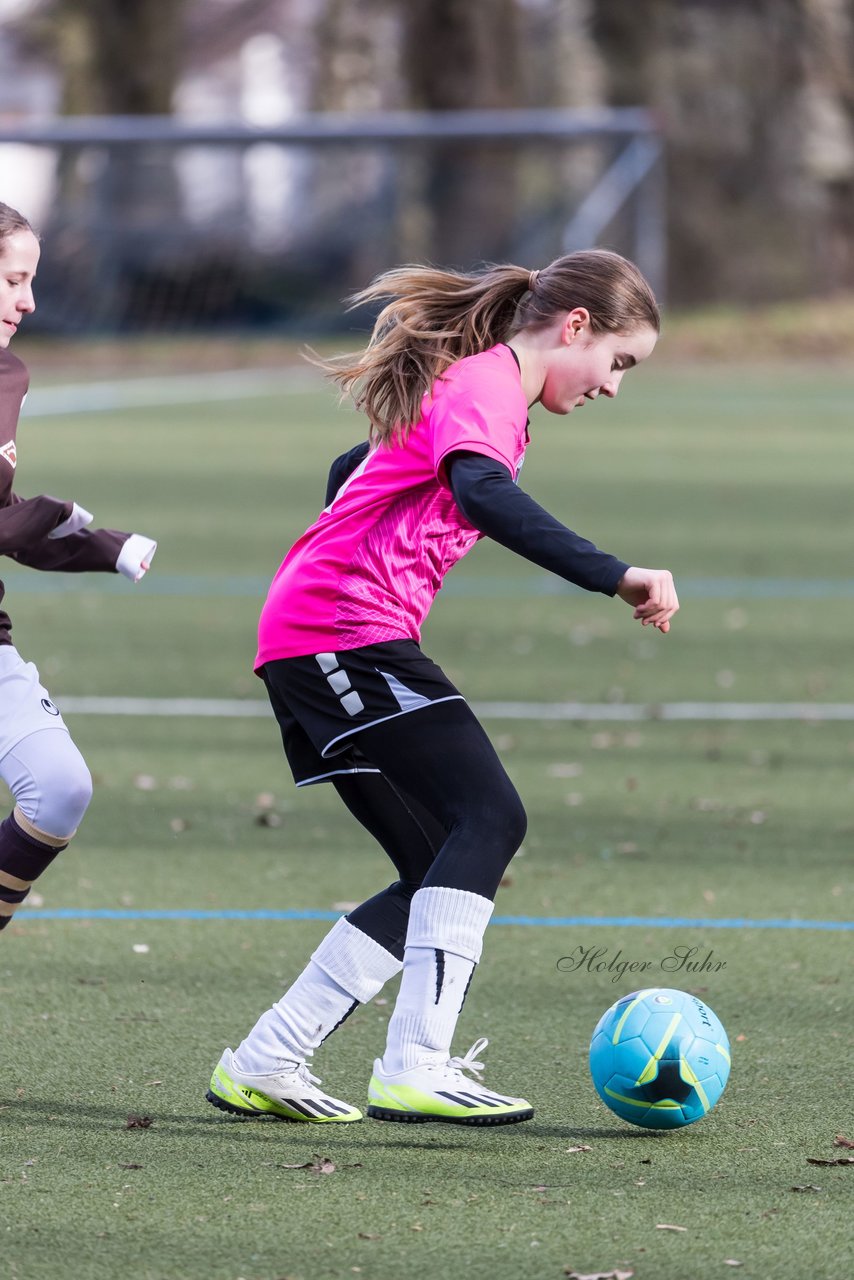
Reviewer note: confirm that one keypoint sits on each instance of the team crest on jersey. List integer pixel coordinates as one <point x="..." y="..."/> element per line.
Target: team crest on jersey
<point x="8" y="452"/>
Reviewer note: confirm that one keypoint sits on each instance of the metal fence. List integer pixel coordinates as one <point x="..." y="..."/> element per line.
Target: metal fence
<point x="151" y="224"/>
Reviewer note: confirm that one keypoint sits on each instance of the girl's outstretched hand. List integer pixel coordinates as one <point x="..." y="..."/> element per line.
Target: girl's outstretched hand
<point x="653" y="595"/>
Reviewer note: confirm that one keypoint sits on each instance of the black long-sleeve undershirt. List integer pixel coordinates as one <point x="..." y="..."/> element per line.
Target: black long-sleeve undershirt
<point x="486" y="494"/>
<point x="490" y="500"/>
<point x="343" y="467"/>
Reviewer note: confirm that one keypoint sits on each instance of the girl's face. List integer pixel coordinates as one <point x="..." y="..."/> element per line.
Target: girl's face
<point x="583" y="365"/>
<point x="19" y="257"/>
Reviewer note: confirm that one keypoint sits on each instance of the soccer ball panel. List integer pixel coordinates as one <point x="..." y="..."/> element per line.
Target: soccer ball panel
<point x="659" y="1058"/>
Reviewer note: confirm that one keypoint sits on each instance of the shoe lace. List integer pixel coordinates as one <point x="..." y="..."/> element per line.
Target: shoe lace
<point x="303" y="1074"/>
<point x="468" y="1063"/>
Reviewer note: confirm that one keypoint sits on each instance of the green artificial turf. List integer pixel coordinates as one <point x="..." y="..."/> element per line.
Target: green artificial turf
<point x="740" y="484"/>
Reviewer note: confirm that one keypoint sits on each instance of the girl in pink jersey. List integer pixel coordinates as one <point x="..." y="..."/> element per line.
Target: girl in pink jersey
<point x="446" y="383"/>
<point x="39" y="763"/>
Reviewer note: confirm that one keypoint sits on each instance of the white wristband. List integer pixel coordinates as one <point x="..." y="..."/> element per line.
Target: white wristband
<point x="78" y="520"/>
<point x="136" y="549"/>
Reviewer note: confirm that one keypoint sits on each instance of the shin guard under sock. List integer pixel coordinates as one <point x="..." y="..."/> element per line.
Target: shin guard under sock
<point x="443" y="945"/>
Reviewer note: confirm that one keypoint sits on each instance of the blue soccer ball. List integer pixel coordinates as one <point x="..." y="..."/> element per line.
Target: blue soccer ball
<point x="659" y="1058"/>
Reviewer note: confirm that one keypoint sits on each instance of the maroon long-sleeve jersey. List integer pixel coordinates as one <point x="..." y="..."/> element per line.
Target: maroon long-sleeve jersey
<point x="26" y="522"/>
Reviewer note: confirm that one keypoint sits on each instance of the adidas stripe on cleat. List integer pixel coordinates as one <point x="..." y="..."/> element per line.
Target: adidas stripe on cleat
<point x="440" y="1091"/>
<point x="290" y="1094"/>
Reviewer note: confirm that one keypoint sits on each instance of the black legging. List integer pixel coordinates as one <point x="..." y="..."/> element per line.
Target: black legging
<point x="442" y="807"/>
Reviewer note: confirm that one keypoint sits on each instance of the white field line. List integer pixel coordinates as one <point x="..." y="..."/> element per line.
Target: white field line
<point x="142" y="393"/>
<point x="617" y="712"/>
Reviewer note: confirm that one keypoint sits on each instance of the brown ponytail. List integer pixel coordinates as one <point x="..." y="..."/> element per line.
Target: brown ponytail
<point x="437" y="317"/>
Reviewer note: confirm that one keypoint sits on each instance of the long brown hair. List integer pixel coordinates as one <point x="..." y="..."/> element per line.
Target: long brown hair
<point x="437" y="317"/>
<point x="10" y="222"/>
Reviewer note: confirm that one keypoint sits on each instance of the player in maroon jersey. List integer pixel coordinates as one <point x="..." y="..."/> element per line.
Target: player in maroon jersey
<point x="39" y="763"/>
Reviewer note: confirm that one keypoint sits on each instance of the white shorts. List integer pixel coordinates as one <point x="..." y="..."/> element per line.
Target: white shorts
<point x="25" y="705"/>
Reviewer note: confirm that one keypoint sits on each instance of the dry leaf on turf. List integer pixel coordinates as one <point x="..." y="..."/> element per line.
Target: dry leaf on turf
<point x="320" y="1164"/>
<point x="839" y="1160"/>
<point x="138" y="1122"/>
<point x="597" y="1275"/>
<point x="810" y="1186"/>
<point x="570" y="1151"/>
<point x="668" y="1226"/>
<point x="841" y="1141"/>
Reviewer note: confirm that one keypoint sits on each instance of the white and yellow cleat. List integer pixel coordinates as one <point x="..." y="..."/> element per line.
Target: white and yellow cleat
<point x="439" y="1090"/>
<point x="289" y="1094"/>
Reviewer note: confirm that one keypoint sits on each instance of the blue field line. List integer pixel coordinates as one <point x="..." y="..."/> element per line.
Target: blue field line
<point x="539" y="922"/>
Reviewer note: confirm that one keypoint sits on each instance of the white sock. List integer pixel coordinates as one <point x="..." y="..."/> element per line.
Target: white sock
<point x="443" y="944"/>
<point x="348" y="968"/>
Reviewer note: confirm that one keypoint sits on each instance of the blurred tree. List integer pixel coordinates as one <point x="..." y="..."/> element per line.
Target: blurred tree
<point x="425" y="55"/>
<point x="115" y="59"/>
<point x="459" y="56"/>
<point x="354" y="54"/>
<point x="756" y="98"/>
<point x="724" y="77"/>
<point x="112" y="59"/>
<point x="829" y="142"/>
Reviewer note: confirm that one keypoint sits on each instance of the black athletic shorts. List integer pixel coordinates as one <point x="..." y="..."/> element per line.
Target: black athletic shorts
<point x="324" y="700"/>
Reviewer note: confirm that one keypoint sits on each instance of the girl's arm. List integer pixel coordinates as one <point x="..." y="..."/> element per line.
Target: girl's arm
<point x="82" y="551"/>
<point x="489" y="499"/>
<point x="25" y="522"/>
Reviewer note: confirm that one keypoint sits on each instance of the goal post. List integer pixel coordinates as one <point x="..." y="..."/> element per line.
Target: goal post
<point x="158" y="223"/>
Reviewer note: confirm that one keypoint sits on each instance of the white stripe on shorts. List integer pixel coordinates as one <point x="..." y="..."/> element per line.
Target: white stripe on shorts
<point x="333" y="746"/>
<point x="335" y="773"/>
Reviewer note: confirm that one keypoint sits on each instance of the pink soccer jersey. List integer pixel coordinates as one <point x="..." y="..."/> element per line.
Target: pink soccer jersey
<point x="369" y="568"/>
